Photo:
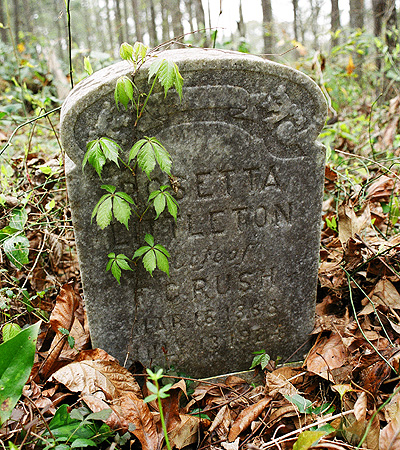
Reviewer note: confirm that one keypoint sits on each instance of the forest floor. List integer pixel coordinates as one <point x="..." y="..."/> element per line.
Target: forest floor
<point x="346" y="394"/>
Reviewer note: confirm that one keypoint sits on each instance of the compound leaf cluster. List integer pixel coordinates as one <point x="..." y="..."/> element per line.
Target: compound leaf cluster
<point x="117" y="263"/>
<point x="99" y="151"/>
<point x="148" y="151"/>
<point x="162" y="198"/>
<point x="113" y="203"/>
<point x="168" y="75"/>
<point x="153" y="256"/>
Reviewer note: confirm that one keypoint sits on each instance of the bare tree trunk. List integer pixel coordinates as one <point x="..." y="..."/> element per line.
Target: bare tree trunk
<point x="165" y="28"/>
<point x="86" y="16"/>
<point x="101" y="36"/>
<point x="60" y="36"/>
<point x="267" y="26"/>
<point x="151" y="23"/>
<point x="335" y="21"/>
<point x="385" y="18"/>
<point x="356" y="14"/>
<point x="3" y="20"/>
<point x="27" y="13"/>
<point x="137" y="20"/>
<point x="176" y="16"/>
<point x="391" y="24"/>
<point x="315" y="12"/>
<point x="189" y="9"/>
<point x="119" y="23"/>
<point x="241" y="25"/>
<point x="126" y="23"/>
<point x="295" y="19"/>
<point x="17" y="20"/>
<point x="110" y="27"/>
<point x="201" y="22"/>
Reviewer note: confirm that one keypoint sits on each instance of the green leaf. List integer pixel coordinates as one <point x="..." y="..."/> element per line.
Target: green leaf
<point x="162" y="262"/>
<point x="96" y="208"/>
<point x="148" y="151"/>
<point x="82" y="442"/>
<point x="109" y="188"/>
<point x="168" y="75"/>
<point x="300" y="402"/>
<point x="126" y="197"/>
<point x="121" y="210"/>
<point x="150" y="398"/>
<point x="16" y="247"/>
<point x="123" y="92"/>
<point x="146" y="159"/>
<point x="71" y="341"/>
<point x="116" y="271"/>
<point x="10" y="330"/>
<point x="162" y="156"/>
<point x="140" y="51"/>
<point x="151" y="387"/>
<point x="18" y="219"/>
<point x="149" y="261"/>
<point x="16" y="361"/>
<point x="172" y="205"/>
<point x="121" y="260"/>
<point x="262" y="358"/>
<point x="87" y="66"/>
<point x="100" y="415"/>
<point x="159" y="204"/>
<point x="104" y="213"/>
<point x="126" y="51"/>
<point x="110" y="149"/>
<point x="98" y="151"/>
<point x="94" y="156"/>
<point x="307" y="439"/>
<point x="149" y="239"/>
<point x="141" y="251"/>
<point x="116" y="263"/>
<point x="162" y="249"/>
<point x="135" y="149"/>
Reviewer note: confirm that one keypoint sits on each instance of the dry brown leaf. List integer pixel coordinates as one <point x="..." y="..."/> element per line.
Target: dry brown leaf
<point x="170" y="405"/>
<point x="133" y="410"/>
<point x="62" y="316"/>
<point x="383" y="294"/>
<point x="96" y="404"/>
<point x="94" y="354"/>
<point x="231" y="445"/>
<point x="278" y="384"/>
<point x="381" y="189"/>
<point x="360" y="407"/>
<point x="393" y="408"/>
<point x="88" y="377"/>
<point x="349" y="223"/>
<point x="327" y="354"/>
<point x="246" y="417"/>
<point x="186" y="433"/>
<point x="390" y="434"/>
<point x="67" y="303"/>
<point x="221" y="422"/>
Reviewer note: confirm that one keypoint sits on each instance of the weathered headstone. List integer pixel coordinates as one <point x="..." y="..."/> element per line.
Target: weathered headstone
<point x="244" y="251"/>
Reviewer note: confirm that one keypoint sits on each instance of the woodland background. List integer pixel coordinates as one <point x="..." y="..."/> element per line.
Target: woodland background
<point x="350" y="378"/>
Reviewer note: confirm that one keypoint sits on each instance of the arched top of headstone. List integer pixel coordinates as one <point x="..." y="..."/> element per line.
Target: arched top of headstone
<point x="286" y="105"/>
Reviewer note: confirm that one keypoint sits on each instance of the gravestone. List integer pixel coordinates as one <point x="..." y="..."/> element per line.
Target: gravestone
<point x="244" y="250"/>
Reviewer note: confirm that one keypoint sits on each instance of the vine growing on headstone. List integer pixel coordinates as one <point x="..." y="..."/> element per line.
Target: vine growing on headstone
<point x="145" y="154"/>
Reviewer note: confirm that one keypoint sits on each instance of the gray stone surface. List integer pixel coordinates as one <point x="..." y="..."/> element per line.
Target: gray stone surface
<point x="244" y="251"/>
